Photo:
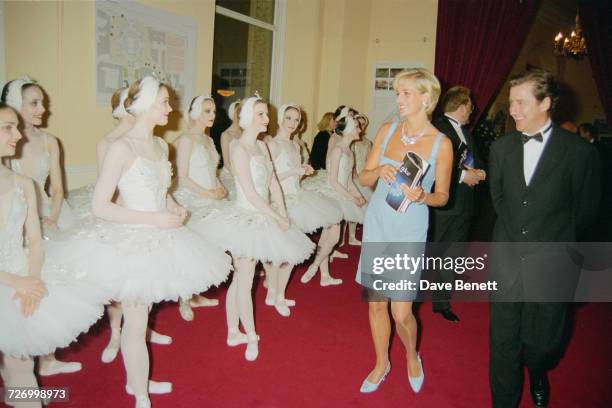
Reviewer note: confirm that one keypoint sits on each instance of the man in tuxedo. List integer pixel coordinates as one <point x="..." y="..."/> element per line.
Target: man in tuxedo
<point x="545" y="186"/>
<point x="450" y="225"/>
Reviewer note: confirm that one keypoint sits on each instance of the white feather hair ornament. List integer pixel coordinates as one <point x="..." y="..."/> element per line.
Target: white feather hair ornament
<point x="145" y="98"/>
<point x="283" y="109"/>
<point x="120" y="112"/>
<point x="232" y="109"/>
<point x="195" y="110"/>
<point x="14" y="97"/>
<point x="247" y="111"/>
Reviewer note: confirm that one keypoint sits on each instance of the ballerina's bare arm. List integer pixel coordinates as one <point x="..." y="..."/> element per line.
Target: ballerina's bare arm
<point x="242" y="172"/>
<point x="184" y="150"/>
<point x="32" y="229"/>
<point x="334" y="165"/>
<point x="371" y="170"/>
<point x="276" y="192"/>
<point x="225" y="150"/>
<point x="55" y="176"/>
<point x="101" y="149"/>
<point x="118" y="159"/>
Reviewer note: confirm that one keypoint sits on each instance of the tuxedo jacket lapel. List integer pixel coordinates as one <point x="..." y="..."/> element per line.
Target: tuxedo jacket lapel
<point x="550" y="159"/>
<point x="515" y="161"/>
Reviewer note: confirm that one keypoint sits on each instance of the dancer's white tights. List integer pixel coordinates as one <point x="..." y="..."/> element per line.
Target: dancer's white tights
<point x="19" y="372"/>
<point x="134" y="347"/>
<point x="327" y="242"/>
<point x="239" y="302"/>
<point x="278" y="277"/>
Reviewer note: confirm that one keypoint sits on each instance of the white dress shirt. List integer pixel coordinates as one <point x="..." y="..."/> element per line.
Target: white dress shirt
<point x="532" y="151"/>
<point x="457" y="126"/>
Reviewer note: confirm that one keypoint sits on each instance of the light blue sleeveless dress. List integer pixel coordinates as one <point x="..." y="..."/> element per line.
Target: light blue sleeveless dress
<point x="382" y="224"/>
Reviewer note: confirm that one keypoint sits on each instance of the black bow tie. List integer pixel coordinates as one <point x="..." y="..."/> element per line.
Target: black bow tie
<point x="537" y="137"/>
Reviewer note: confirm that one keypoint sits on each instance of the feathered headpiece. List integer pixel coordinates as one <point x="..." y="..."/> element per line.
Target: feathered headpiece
<point x="120" y="112"/>
<point x="247" y="110"/>
<point x="145" y="98"/>
<point x="14" y="97"/>
<point x="195" y="110"/>
<point x="283" y="109"/>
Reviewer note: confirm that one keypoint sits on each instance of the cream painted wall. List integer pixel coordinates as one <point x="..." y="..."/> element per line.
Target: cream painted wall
<point x="331" y="46"/>
<point x="60" y="54"/>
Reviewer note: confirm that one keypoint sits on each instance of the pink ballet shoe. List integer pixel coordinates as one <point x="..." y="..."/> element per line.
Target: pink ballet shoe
<point x="309" y="274"/>
<point x="203" y="301"/>
<point x="155" y="387"/>
<point x="158" y="338"/>
<point x="54" y="367"/>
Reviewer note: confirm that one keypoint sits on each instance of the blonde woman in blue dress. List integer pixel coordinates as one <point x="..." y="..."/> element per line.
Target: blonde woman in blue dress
<point x="42" y="306"/>
<point x="199" y="190"/>
<point x="254" y="228"/>
<point x="308" y="210"/>
<point x="417" y="91"/>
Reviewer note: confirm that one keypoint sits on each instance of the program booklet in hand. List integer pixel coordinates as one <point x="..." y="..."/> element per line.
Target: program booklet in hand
<point x="466" y="157"/>
<point x="411" y="173"/>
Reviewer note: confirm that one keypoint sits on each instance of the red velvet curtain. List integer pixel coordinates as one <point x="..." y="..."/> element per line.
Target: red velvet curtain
<point x="596" y="22"/>
<point x="477" y="42"/>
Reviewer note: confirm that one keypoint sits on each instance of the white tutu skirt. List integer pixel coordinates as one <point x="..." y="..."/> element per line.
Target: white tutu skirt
<point x="195" y="204"/>
<point x="310" y="211"/>
<point x="252" y="235"/>
<point x="79" y="200"/>
<point x="141" y="264"/>
<point x="227" y="179"/>
<point x="319" y="183"/>
<point x="71" y="307"/>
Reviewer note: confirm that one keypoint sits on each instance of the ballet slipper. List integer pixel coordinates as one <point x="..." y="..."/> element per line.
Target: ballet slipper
<point x="252" y="350"/>
<point x="142" y="401"/>
<point x="112" y="348"/>
<point x="329" y="281"/>
<point x="338" y="254"/>
<point x="155" y="387"/>
<point x="270" y="298"/>
<point x="185" y="310"/>
<point x="235" y="339"/>
<point x="203" y="301"/>
<point x="354" y="241"/>
<point x="309" y="274"/>
<point x="289" y="302"/>
<point x="53" y="367"/>
<point x="158" y="338"/>
<point x="282" y="308"/>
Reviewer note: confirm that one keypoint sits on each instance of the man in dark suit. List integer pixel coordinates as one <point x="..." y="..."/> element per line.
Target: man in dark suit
<point x="544" y="185"/>
<point x="451" y="223"/>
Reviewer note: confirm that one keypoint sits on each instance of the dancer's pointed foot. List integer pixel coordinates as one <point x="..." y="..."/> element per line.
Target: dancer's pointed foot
<point x="158" y="338"/>
<point x="143" y="401"/>
<point x="236" y="338"/>
<point x="203" y="301"/>
<point x="252" y="349"/>
<point x="282" y="308"/>
<point x="51" y="366"/>
<point x="155" y="387"/>
<point x="270" y="297"/>
<point x="354" y="241"/>
<point x="329" y="281"/>
<point x="290" y="302"/>
<point x="337" y="254"/>
<point x="112" y="348"/>
<point x="309" y="274"/>
<point x="185" y="310"/>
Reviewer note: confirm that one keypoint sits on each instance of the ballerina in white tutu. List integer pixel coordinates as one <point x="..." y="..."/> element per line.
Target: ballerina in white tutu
<point x="143" y="254"/>
<point x="341" y="188"/>
<point x="254" y="230"/>
<point x="39" y="160"/>
<point x="80" y="198"/>
<point x="360" y="148"/>
<point x="227" y="137"/>
<point x="308" y="210"/>
<point x="199" y="190"/>
<point x="42" y="306"/>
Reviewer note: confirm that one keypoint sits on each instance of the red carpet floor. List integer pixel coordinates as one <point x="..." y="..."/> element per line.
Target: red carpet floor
<point x="319" y="356"/>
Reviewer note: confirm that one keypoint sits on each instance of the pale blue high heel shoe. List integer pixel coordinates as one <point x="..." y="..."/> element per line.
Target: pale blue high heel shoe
<point x="417" y="382"/>
<point x="368" y="387"/>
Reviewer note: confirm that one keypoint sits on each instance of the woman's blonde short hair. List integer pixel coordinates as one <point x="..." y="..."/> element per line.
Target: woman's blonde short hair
<point x="425" y="82"/>
<point x="324" y="122"/>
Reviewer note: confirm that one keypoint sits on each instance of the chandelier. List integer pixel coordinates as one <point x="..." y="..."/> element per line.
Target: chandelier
<point x="573" y="46"/>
